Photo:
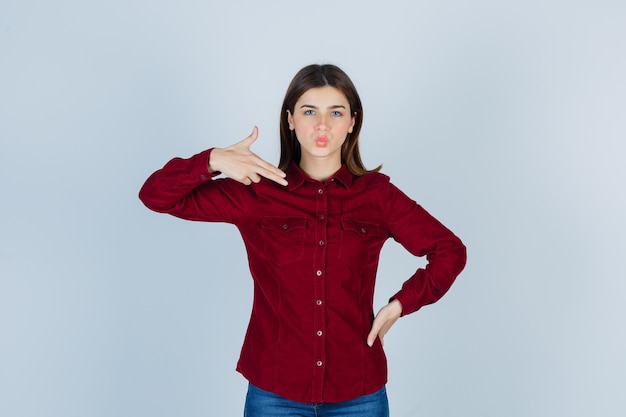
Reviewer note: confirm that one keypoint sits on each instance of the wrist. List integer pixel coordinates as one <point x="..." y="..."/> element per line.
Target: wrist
<point x="396" y="306"/>
<point x="213" y="158"/>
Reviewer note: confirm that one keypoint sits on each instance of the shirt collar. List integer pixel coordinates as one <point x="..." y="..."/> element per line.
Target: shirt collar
<point x="296" y="177"/>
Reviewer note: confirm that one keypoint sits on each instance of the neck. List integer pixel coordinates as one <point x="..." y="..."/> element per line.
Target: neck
<point x="321" y="169"/>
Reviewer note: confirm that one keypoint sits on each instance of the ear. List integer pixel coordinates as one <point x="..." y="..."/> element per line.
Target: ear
<point x="290" y="120"/>
<point x="352" y="124"/>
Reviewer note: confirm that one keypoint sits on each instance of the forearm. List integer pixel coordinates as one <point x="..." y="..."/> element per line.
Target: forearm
<point x="165" y="188"/>
<point x="428" y="285"/>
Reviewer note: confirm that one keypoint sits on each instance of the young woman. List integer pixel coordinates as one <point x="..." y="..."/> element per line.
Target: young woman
<point x="313" y="229"/>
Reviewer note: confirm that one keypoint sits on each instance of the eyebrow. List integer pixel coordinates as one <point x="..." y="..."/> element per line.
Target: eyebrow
<point x="336" y="106"/>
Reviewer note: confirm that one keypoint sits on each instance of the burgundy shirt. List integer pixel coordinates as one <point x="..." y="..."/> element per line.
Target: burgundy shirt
<point x="313" y="251"/>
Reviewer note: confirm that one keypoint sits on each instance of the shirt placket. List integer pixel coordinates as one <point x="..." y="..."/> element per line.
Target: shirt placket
<point x="319" y="291"/>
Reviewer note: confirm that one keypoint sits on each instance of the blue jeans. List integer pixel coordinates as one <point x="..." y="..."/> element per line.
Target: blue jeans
<point x="260" y="403"/>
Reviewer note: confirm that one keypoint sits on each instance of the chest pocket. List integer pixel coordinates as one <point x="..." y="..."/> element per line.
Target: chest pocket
<point x="360" y="242"/>
<point x="283" y="239"/>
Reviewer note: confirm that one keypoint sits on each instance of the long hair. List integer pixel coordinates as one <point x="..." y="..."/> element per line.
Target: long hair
<point x="314" y="76"/>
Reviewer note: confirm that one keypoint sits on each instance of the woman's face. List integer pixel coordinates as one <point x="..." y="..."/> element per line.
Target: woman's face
<point x="321" y="119"/>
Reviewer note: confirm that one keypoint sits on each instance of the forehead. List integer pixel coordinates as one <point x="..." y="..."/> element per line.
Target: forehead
<point x="323" y="96"/>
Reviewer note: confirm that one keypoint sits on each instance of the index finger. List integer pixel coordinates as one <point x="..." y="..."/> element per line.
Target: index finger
<point x="271" y="172"/>
<point x="272" y="175"/>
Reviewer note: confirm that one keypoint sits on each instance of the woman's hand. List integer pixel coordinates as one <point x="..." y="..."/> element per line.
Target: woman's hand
<point x="383" y="321"/>
<point x="241" y="164"/>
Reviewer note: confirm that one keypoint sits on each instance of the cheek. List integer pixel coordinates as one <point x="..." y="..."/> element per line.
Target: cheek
<point x="299" y="137"/>
<point x="301" y="129"/>
<point x="346" y="126"/>
<point x="303" y="125"/>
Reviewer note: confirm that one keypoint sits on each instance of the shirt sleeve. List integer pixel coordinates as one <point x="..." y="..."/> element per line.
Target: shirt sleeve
<point x="184" y="188"/>
<point x="423" y="235"/>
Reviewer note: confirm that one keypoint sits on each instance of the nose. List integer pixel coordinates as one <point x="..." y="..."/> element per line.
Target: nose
<point x="322" y="125"/>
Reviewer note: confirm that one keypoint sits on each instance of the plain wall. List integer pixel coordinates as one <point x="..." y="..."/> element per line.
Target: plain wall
<point x="504" y="119"/>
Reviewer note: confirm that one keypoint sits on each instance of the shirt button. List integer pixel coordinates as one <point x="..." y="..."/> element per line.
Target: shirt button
<point x="363" y="230"/>
<point x="320" y="191"/>
<point x="319" y="332"/>
<point x="319" y="273"/>
<point x="321" y="243"/>
<point x="285" y="226"/>
<point x="203" y="177"/>
<point x="318" y="302"/>
<point x="319" y="363"/>
<point x="322" y="217"/>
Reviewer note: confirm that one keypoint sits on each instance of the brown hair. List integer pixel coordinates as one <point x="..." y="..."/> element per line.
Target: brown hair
<point x="314" y="76"/>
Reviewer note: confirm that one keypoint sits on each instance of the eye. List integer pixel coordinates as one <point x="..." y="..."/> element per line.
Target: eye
<point x="336" y="113"/>
<point x="309" y="112"/>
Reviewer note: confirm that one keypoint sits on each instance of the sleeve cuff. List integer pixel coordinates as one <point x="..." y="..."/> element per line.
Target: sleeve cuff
<point x="408" y="304"/>
<point x="201" y="166"/>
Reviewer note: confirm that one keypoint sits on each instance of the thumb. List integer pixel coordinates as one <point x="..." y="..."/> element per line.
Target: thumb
<point x="373" y="334"/>
<point x="247" y="142"/>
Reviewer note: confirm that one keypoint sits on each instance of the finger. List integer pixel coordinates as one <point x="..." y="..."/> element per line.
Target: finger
<point x="254" y="174"/>
<point x="270" y="172"/>
<point x="371" y="339"/>
<point x="269" y="167"/>
<point x="247" y="142"/>
<point x="273" y="177"/>
<point x="254" y="177"/>
<point x="373" y="334"/>
<point x="273" y="174"/>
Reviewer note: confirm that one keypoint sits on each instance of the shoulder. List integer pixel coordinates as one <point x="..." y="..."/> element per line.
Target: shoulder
<point x="372" y="181"/>
<point x="380" y="187"/>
